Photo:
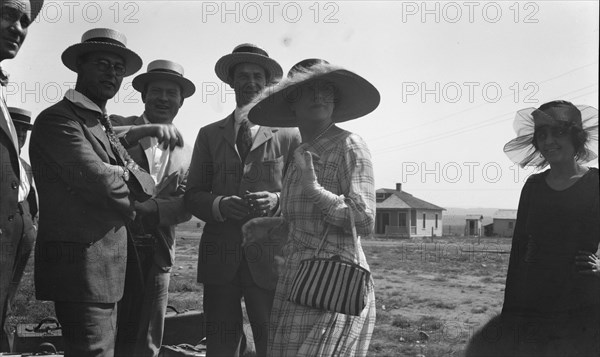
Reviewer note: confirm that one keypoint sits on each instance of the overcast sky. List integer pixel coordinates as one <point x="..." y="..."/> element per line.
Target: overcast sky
<point x="451" y="74"/>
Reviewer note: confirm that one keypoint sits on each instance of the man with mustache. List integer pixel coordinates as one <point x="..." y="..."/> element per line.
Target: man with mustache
<point x="89" y="190"/>
<point x="235" y="175"/>
<point x="15" y="18"/>
<point x="163" y="88"/>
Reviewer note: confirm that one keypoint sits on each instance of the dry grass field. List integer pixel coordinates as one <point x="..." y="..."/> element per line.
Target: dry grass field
<point x="431" y="296"/>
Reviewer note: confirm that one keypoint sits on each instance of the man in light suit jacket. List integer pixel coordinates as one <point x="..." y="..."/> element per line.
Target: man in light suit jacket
<point x="15" y="18"/>
<point x="89" y="189"/>
<point x="148" y="141"/>
<point x="235" y="175"/>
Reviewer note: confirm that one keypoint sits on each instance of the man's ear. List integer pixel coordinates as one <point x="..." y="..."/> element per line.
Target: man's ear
<point x="144" y="96"/>
<point x="181" y="102"/>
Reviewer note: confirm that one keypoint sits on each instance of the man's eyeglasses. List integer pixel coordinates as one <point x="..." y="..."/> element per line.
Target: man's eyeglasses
<point x="105" y="66"/>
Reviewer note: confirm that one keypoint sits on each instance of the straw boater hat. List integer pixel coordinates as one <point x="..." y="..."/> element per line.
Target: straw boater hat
<point x="105" y="40"/>
<point x="354" y="95"/>
<point x="21" y="116"/>
<point x="521" y="150"/>
<point x="247" y="53"/>
<point x="160" y="70"/>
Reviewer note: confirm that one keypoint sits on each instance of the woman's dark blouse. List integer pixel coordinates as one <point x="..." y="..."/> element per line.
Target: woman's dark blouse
<point x="552" y="226"/>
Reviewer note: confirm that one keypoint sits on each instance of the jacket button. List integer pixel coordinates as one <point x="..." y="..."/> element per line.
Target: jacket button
<point x="14" y="185"/>
<point x="11" y="217"/>
<point x="1" y="231"/>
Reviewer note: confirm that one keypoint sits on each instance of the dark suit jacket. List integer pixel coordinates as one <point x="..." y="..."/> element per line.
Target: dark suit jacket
<point x="81" y="249"/>
<point x="169" y="191"/>
<point x="217" y="170"/>
<point x="10" y="224"/>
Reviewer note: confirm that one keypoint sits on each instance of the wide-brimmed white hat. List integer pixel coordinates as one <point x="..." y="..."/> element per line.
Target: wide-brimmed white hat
<point x="247" y="53"/>
<point x="164" y="70"/>
<point x="354" y="95"/>
<point x="105" y="40"/>
<point x="21" y="116"/>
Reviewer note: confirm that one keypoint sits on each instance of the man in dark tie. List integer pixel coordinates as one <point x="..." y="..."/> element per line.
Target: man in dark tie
<point x="15" y="18"/>
<point x="236" y="174"/>
<point x="89" y="189"/>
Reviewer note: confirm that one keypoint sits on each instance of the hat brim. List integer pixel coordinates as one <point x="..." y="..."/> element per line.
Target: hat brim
<point x="521" y="150"/>
<point x="187" y="87"/>
<point x="133" y="62"/>
<point x="355" y="97"/>
<point x="226" y="62"/>
<point x="28" y="125"/>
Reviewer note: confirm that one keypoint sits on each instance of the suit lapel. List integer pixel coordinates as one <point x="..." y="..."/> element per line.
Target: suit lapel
<point x="228" y="133"/>
<point x="92" y="122"/>
<point x="263" y="135"/>
<point x="4" y="125"/>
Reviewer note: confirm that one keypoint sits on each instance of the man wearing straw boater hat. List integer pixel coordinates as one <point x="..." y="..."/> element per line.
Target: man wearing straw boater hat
<point x="88" y="187"/>
<point x="163" y="88"/>
<point x="235" y="175"/>
<point x="15" y="18"/>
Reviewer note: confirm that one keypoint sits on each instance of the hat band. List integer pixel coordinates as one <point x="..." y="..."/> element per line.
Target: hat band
<point x="106" y="40"/>
<point x="167" y="71"/>
<point x="250" y="49"/>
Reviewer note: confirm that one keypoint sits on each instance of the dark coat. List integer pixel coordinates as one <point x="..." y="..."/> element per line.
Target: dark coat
<point x="217" y="170"/>
<point x="81" y="250"/>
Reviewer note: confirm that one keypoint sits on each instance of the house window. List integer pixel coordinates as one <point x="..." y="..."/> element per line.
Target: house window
<point x="511" y="225"/>
<point x="423" y="220"/>
<point x="402" y="219"/>
<point x="436" y="221"/>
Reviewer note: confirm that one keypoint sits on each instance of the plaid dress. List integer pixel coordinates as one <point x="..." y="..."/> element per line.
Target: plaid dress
<point x="344" y="170"/>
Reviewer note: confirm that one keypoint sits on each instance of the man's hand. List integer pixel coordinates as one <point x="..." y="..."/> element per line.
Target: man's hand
<point x="260" y="203"/>
<point x="233" y="207"/>
<point x="146" y="208"/>
<point x="166" y="134"/>
<point x="587" y="263"/>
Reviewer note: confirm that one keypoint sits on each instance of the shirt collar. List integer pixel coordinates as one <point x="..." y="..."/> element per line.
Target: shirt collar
<point x="82" y="101"/>
<point x="240" y="114"/>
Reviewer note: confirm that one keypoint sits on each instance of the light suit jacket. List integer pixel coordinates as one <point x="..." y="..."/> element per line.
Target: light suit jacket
<point x="168" y="194"/>
<point x="217" y="170"/>
<point x="81" y="249"/>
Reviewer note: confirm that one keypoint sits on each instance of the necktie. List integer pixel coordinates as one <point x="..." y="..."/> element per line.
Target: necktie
<point x="244" y="140"/>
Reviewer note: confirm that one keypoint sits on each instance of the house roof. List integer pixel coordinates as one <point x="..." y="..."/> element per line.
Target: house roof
<point x="474" y="216"/>
<point x="505" y="214"/>
<point x="401" y="199"/>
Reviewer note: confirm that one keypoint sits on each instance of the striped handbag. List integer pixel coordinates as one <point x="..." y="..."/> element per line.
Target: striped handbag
<point x="331" y="284"/>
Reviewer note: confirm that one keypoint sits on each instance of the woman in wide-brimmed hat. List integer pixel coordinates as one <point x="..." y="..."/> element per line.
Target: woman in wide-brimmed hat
<point x="553" y="280"/>
<point x="330" y="178"/>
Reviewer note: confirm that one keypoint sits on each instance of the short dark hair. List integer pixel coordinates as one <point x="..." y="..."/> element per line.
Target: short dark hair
<point x="577" y="135"/>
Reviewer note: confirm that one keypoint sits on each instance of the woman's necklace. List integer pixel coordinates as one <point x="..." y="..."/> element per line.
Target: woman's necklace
<point x="322" y="133"/>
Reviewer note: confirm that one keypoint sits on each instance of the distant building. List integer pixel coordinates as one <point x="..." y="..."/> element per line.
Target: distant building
<point x="504" y="222"/>
<point x="400" y="214"/>
<point x="474" y="225"/>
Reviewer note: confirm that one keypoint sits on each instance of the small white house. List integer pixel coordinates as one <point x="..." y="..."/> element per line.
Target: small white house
<point x="400" y="214"/>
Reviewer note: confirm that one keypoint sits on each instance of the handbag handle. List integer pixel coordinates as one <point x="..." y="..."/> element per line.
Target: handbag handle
<point x="48" y="320"/>
<point x="354" y="234"/>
